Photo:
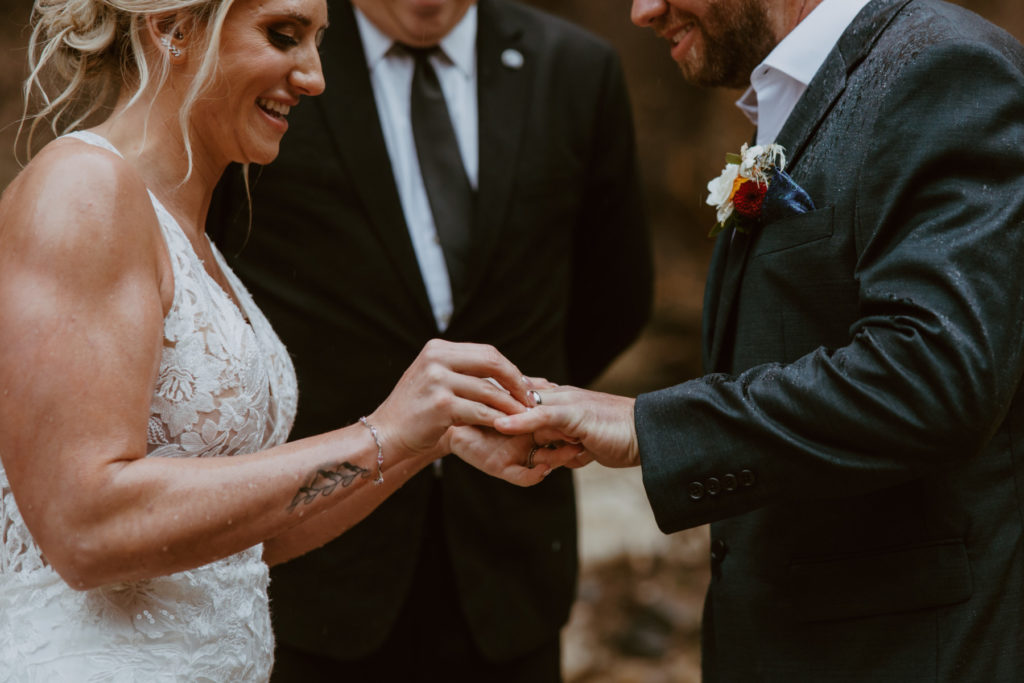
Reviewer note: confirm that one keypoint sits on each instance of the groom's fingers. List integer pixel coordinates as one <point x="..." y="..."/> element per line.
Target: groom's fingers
<point x="582" y="459"/>
<point x="556" y="455"/>
<point x="546" y="418"/>
<point x="544" y="461"/>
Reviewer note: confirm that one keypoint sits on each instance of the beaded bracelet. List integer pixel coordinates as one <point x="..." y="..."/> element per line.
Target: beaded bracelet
<point x="380" y="451"/>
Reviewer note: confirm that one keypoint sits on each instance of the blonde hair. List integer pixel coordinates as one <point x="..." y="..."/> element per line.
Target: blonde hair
<point x="83" y="52"/>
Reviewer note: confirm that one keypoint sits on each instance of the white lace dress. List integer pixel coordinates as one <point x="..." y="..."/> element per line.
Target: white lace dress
<point x="225" y="387"/>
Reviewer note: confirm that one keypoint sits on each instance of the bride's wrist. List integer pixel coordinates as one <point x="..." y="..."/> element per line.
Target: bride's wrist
<point x="378" y="444"/>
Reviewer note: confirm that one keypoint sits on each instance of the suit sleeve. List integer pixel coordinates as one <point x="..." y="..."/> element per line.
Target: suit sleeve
<point x="611" y="286"/>
<point x="934" y="359"/>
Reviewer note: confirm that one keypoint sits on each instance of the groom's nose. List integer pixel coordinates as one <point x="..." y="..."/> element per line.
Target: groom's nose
<point x="646" y="12"/>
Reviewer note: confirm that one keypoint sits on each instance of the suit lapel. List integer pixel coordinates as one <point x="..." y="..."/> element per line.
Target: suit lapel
<point x="734" y="254"/>
<point x="350" y="112"/>
<point x="503" y="90"/>
<point x="826" y="87"/>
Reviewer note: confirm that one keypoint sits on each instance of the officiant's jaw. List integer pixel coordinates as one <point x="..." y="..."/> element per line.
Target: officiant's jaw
<point x="419" y="23"/>
<point x="714" y="42"/>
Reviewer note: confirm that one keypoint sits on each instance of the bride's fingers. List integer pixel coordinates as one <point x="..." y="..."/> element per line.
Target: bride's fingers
<point x="480" y="360"/>
<point x="484" y="392"/>
<point x="467" y="412"/>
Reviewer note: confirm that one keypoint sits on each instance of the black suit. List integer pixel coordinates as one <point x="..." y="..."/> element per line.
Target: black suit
<point x="862" y="453"/>
<point x="561" y="284"/>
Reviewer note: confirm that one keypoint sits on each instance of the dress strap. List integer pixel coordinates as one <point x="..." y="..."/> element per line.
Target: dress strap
<point x="93" y="139"/>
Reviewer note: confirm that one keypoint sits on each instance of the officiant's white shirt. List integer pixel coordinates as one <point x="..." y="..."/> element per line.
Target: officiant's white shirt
<point x="391" y="77"/>
<point x="777" y="83"/>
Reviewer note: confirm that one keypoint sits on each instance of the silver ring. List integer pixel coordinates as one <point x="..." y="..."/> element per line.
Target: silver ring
<point x="529" y="458"/>
<point x="536" y="396"/>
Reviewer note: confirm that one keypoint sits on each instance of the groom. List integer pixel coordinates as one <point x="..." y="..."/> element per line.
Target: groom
<point x="859" y="445"/>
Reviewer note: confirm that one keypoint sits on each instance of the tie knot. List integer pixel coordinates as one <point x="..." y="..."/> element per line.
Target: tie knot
<point x="417" y="53"/>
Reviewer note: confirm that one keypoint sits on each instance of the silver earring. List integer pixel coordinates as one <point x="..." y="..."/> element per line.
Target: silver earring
<point x="173" y="49"/>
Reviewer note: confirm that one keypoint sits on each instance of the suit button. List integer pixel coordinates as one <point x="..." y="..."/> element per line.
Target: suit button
<point x="747" y="478"/>
<point x="713" y="486"/>
<point x="696" y="490"/>
<point x="718" y="550"/>
<point x="729" y="482"/>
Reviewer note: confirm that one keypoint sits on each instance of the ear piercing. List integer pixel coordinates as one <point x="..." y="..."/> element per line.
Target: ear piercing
<point x="174" y="50"/>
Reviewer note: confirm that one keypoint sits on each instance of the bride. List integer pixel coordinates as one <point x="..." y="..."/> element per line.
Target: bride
<point x="131" y="359"/>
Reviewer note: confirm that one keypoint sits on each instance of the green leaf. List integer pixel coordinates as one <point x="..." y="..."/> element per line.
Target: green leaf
<point x="731" y="158"/>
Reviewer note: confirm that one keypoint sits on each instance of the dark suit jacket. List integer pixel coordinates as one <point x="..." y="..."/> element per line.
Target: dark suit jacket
<point x="562" y="285"/>
<point x="861" y="451"/>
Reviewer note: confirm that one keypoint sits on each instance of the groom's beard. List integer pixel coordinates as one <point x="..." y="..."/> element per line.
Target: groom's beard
<point x="735" y="36"/>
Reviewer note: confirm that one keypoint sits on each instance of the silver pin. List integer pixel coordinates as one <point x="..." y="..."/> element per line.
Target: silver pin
<point x="512" y="58"/>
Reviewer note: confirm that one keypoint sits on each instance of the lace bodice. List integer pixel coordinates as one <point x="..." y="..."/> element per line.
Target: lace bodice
<point x="225" y="386"/>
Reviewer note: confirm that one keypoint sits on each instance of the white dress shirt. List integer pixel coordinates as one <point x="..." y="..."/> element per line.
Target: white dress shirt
<point x="777" y="83"/>
<point x="391" y="77"/>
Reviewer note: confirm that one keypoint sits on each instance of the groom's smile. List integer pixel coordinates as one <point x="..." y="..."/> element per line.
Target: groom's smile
<point x="715" y="42"/>
<point x="681" y="38"/>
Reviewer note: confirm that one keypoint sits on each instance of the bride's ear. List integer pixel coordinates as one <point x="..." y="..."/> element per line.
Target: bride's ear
<point x="168" y="34"/>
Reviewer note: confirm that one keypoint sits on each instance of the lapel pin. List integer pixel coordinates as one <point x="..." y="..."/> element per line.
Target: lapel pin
<point x="512" y="58"/>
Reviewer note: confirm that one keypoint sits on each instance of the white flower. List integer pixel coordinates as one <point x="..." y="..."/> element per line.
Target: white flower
<point x="720" y="189"/>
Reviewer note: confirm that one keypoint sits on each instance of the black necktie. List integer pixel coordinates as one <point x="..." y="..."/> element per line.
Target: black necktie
<point x="452" y="200"/>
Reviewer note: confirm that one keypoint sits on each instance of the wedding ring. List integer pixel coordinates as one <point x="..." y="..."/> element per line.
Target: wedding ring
<point x="536" y="396"/>
<point x="529" y="458"/>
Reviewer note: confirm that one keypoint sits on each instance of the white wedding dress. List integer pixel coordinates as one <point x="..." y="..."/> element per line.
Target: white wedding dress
<point x="225" y="387"/>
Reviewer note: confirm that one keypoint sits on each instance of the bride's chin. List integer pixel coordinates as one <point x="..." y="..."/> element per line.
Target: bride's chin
<point x="263" y="156"/>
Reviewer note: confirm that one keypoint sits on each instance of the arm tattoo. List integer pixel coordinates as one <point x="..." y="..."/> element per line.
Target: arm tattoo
<point x="325" y="482"/>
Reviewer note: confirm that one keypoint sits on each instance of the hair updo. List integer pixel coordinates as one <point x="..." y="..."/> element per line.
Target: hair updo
<point x="84" y="52"/>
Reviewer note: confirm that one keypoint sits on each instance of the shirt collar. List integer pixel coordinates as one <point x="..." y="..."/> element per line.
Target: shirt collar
<point x="459" y="45"/>
<point x="802" y="52"/>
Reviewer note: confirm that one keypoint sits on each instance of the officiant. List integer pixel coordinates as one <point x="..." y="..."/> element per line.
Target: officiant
<point x="468" y="174"/>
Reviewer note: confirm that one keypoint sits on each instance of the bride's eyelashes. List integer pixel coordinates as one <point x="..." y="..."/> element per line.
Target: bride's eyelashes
<point x="281" y="39"/>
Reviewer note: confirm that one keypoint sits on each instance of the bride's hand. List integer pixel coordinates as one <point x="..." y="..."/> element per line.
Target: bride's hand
<point x="448" y="385"/>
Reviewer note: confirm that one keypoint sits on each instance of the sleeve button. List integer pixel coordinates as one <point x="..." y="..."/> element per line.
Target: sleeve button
<point x="696" y="490"/>
<point x="747" y="478"/>
<point x="729" y="482"/>
<point x="712" y="486"/>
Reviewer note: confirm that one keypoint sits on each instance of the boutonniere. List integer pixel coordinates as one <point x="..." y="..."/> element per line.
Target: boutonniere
<point x="754" y="188"/>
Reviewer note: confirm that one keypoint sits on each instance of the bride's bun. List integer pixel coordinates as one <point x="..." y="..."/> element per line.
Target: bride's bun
<point x="80" y="36"/>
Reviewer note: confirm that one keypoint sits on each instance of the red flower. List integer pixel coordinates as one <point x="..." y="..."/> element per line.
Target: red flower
<point x="748" y="199"/>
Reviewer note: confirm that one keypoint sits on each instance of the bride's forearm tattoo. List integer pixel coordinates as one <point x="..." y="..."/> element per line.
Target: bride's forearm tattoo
<point x="325" y="481"/>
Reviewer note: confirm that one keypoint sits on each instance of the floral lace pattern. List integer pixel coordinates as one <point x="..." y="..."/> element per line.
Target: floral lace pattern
<point x="225" y="386"/>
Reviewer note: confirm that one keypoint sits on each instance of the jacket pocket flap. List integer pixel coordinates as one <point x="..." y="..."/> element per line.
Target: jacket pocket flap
<point x="793" y="231"/>
<point x="901" y="580"/>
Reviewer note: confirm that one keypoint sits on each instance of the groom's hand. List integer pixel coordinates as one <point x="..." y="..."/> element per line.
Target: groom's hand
<point x="601" y="423"/>
<point x="516" y="459"/>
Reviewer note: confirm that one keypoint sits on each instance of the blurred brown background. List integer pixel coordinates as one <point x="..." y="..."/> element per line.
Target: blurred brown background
<point x="638" y="616"/>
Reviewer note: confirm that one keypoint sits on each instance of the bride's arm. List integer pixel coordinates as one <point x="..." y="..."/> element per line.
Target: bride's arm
<point x="84" y="285"/>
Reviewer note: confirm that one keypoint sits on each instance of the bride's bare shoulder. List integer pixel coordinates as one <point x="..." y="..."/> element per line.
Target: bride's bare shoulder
<point x="75" y="199"/>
